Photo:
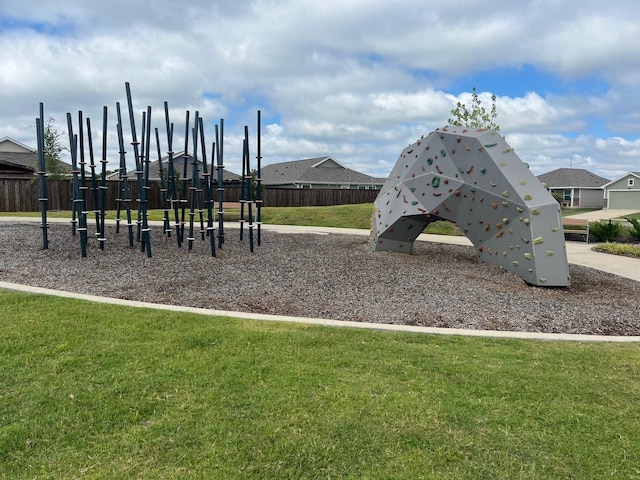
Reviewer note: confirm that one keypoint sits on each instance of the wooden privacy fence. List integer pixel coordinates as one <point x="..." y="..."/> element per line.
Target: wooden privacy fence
<point x="22" y="196"/>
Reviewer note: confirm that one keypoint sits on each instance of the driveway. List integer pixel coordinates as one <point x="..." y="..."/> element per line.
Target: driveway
<point x="604" y="214"/>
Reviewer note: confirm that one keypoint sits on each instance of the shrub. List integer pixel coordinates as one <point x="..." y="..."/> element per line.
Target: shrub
<point x="634" y="231"/>
<point x="624" y="249"/>
<point x="606" y="231"/>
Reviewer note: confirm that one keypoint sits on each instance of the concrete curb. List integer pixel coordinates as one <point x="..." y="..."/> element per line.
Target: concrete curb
<point x="327" y="322"/>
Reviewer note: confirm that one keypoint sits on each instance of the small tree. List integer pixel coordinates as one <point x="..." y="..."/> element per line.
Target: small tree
<point x="477" y="116"/>
<point x="53" y="151"/>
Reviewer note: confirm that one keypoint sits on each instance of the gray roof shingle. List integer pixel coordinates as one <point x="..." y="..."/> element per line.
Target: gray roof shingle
<point x="314" y="170"/>
<point x="572" y="178"/>
<point x="178" y="165"/>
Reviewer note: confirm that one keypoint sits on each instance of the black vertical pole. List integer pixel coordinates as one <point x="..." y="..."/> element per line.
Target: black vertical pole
<point x="259" y="182"/>
<point x="74" y="171"/>
<point x="126" y="194"/>
<point x="220" y="168"/>
<point x="207" y="190"/>
<point x="249" y="187"/>
<point x="42" y="172"/>
<point x="94" y="181"/>
<point x="136" y="152"/>
<point x="82" y="213"/>
<point x="163" y="190"/>
<point x="103" y="185"/>
<point x="194" y="181"/>
<point x="144" y="192"/>
<point x="243" y="183"/>
<point x="183" y="194"/>
<point x="171" y="175"/>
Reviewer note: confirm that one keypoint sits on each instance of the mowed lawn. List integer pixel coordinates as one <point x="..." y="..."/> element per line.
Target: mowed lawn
<point x="99" y="391"/>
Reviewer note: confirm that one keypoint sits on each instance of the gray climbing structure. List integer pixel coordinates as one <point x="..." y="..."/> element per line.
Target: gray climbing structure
<point x="473" y="178"/>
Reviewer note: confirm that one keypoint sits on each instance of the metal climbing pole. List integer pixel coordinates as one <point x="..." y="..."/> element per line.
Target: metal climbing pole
<point x="94" y="180"/>
<point x="103" y="183"/>
<point x="258" y="182"/>
<point x="82" y="217"/>
<point x="193" y="189"/>
<point x="42" y="173"/>
<point x="220" y="169"/>
<point x="249" y="186"/>
<point x="171" y="175"/>
<point x="124" y="177"/>
<point x="207" y="178"/>
<point x="163" y="190"/>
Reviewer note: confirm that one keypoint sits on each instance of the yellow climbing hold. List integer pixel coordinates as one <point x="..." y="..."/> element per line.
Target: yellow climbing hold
<point x="538" y="241"/>
<point x="527" y="255"/>
<point x="534" y="211"/>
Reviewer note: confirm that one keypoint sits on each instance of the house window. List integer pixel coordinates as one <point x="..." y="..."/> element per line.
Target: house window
<point x="631" y="182"/>
<point x="567" y="195"/>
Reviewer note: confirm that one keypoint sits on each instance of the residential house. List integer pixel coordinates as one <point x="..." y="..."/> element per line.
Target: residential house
<point x="228" y="178"/>
<point x="319" y="172"/>
<point x="18" y="161"/>
<point x="623" y="192"/>
<point x="576" y="186"/>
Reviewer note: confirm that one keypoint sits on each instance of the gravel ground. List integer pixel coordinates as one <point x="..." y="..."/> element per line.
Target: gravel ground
<point x="323" y="276"/>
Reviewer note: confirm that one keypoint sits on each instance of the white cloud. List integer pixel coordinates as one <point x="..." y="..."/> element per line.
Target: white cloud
<point x="358" y="80"/>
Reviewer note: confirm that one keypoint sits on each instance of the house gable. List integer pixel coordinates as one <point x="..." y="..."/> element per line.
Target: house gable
<point x="628" y="181"/>
<point x="10" y="145"/>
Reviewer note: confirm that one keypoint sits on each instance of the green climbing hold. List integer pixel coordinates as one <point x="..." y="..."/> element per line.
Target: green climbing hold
<point x="443" y="152"/>
<point x="483" y="170"/>
<point x="430" y="161"/>
<point x="414" y="203"/>
<point x="490" y="145"/>
<point x="435" y="183"/>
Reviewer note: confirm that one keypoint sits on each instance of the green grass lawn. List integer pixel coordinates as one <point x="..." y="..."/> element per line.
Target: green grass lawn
<point x="100" y="391"/>
<point x="341" y="216"/>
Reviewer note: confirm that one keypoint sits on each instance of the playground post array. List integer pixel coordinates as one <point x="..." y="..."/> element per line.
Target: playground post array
<point x="195" y="192"/>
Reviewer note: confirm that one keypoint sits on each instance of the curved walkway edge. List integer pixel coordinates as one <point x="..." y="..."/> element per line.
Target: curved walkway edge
<point x="327" y="322"/>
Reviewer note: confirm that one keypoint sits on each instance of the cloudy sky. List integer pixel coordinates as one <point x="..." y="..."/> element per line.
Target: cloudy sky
<point x="355" y="79"/>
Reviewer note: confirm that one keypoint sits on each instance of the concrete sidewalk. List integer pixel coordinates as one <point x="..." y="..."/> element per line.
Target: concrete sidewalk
<point x="604" y="214"/>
